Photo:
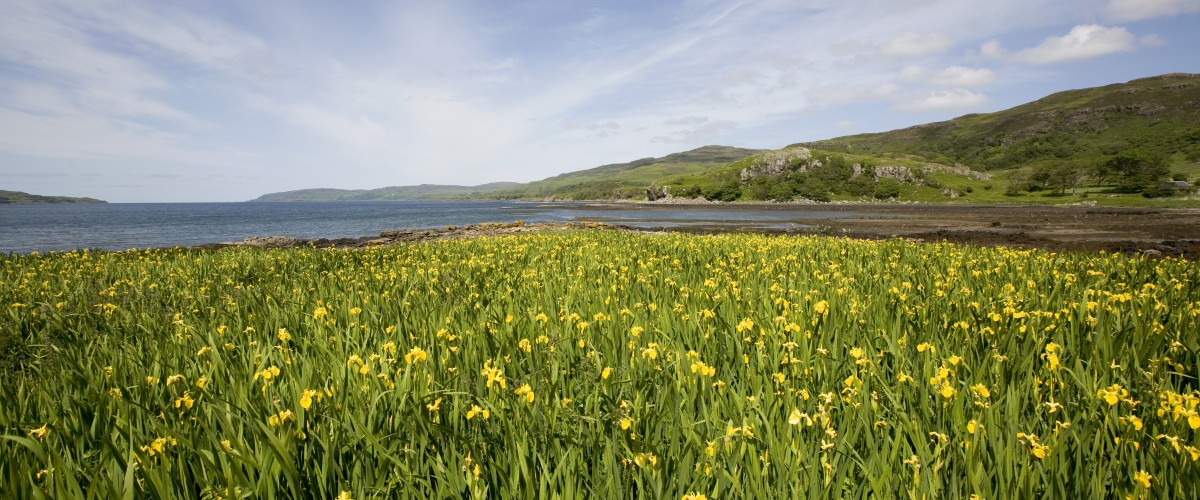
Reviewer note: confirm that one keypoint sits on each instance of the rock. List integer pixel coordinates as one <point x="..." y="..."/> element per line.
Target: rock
<point x="775" y="162"/>
<point x="271" y="241"/>
<point x="957" y="169"/>
<point x="901" y="174"/>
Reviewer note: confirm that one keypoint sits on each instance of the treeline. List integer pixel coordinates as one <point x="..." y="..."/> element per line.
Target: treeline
<point x="1129" y="171"/>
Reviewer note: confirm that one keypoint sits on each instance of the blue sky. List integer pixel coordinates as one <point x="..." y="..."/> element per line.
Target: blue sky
<point x="158" y="101"/>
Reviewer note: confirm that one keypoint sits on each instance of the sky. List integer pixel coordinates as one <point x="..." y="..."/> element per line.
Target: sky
<point x="162" y="101"/>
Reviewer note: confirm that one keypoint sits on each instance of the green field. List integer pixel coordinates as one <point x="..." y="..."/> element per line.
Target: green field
<point x="600" y="363"/>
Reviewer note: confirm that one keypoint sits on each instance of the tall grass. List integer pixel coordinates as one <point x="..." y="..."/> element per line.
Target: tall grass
<point x="600" y="363"/>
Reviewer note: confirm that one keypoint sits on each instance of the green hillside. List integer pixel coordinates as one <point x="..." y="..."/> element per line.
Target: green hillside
<point x="801" y="173"/>
<point x="1116" y="144"/>
<point x="616" y="181"/>
<point x="393" y="193"/>
<point x="15" y="197"/>
<point x="626" y="180"/>
<point x="1076" y="134"/>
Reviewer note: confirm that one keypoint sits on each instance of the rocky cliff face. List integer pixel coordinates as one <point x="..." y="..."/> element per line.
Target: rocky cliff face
<point x="901" y="174"/>
<point x="957" y="169"/>
<point x="800" y="159"/>
<point x="776" y="162"/>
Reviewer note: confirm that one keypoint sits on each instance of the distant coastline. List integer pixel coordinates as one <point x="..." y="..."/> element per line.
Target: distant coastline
<point x="21" y="198"/>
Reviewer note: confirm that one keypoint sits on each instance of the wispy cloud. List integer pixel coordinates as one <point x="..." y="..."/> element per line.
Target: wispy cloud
<point x="1136" y="10"/>
<point x="1082" y="42"/>
<point x="941" y="100"/>
<point x="311" y="94"/>
<point x="703" y="131"/>
<point x="960" y="76"/>
<point x="953" y="76"/>
<point x="853" y="93"/>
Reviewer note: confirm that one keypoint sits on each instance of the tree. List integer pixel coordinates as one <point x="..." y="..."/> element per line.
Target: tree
<point x="1133" y="171"/>
<point x="887" y="188"/>
<point x="1060" y="177"/>
<point x="815" y="189"/>
<point x="727" y="191"/>
<point x="860" y="186"/>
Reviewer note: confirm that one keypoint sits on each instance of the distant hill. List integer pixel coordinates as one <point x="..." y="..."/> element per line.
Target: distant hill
<point x="1122" y="142"/>
<point x="1158" y="115"/>
<point x="15" y="197"/>
<point x="621" y="180"/>
<point x="626" y="180"/>
<point x="393" y="193"/>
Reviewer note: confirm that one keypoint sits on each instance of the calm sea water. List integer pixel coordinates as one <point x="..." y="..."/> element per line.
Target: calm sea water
<point x="119" y="226"/>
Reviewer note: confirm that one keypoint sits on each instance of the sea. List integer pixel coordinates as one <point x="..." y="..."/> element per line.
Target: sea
<point x="121" y="226"/>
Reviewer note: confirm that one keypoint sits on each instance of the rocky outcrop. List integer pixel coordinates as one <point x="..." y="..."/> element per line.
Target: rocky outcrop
<point x="655" y="193"/>
<point x="901" y="174"/>
<point x="796" y="159"/>
<point x="957" y="169"/>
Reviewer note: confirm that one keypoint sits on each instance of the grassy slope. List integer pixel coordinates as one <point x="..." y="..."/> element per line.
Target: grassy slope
<point x="730" y="173"/>
<point x="1159" y="115"/>
<point x="621" y="180"/>
<point x="15" y="197"/>
<point x="970" y="190"/>
<point x="628" y="180"/>
<point x="1081" y="128"/>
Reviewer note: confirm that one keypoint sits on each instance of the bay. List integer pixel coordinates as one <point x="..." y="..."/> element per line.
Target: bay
<point x="120" y="226"/>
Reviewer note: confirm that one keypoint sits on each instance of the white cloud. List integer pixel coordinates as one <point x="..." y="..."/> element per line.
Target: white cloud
<point x="941" y="100"/>
<point x="913" y="74"/>
<point x="1082" y="42"/>
<point x="961" y="76"/>
<point x="101" y="91"/>
<point x="1136" y="10"/>
<point x="914" y="45"/>
<point x="992" y="49"/>
<point x="595" y="128"/>
<point x="703" y="134"/>
<point x="908" y="45"/>
<point x="180" y="36"/>
<point x="389" y="90"/>
<point x="717" y="96"/>
<point x="354" y="131"/>
<point x="1152" y="41"/>
<point x="850" y="93"/>
<point x="686" y="120"/>
<point x="953" y="76"/>
<point x="495" y="72"/>
<point x="85" y="136"/>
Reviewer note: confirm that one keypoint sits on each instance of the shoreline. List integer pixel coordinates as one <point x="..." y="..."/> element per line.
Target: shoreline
<point x="1147" y="231"/>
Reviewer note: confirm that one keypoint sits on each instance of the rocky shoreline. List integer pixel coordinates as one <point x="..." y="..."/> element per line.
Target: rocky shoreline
<point x="1152" y="232"/>
<point x="397" y="236"/>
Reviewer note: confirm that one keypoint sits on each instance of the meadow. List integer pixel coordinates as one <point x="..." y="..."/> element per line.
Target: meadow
<point x="602" y="363"/>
